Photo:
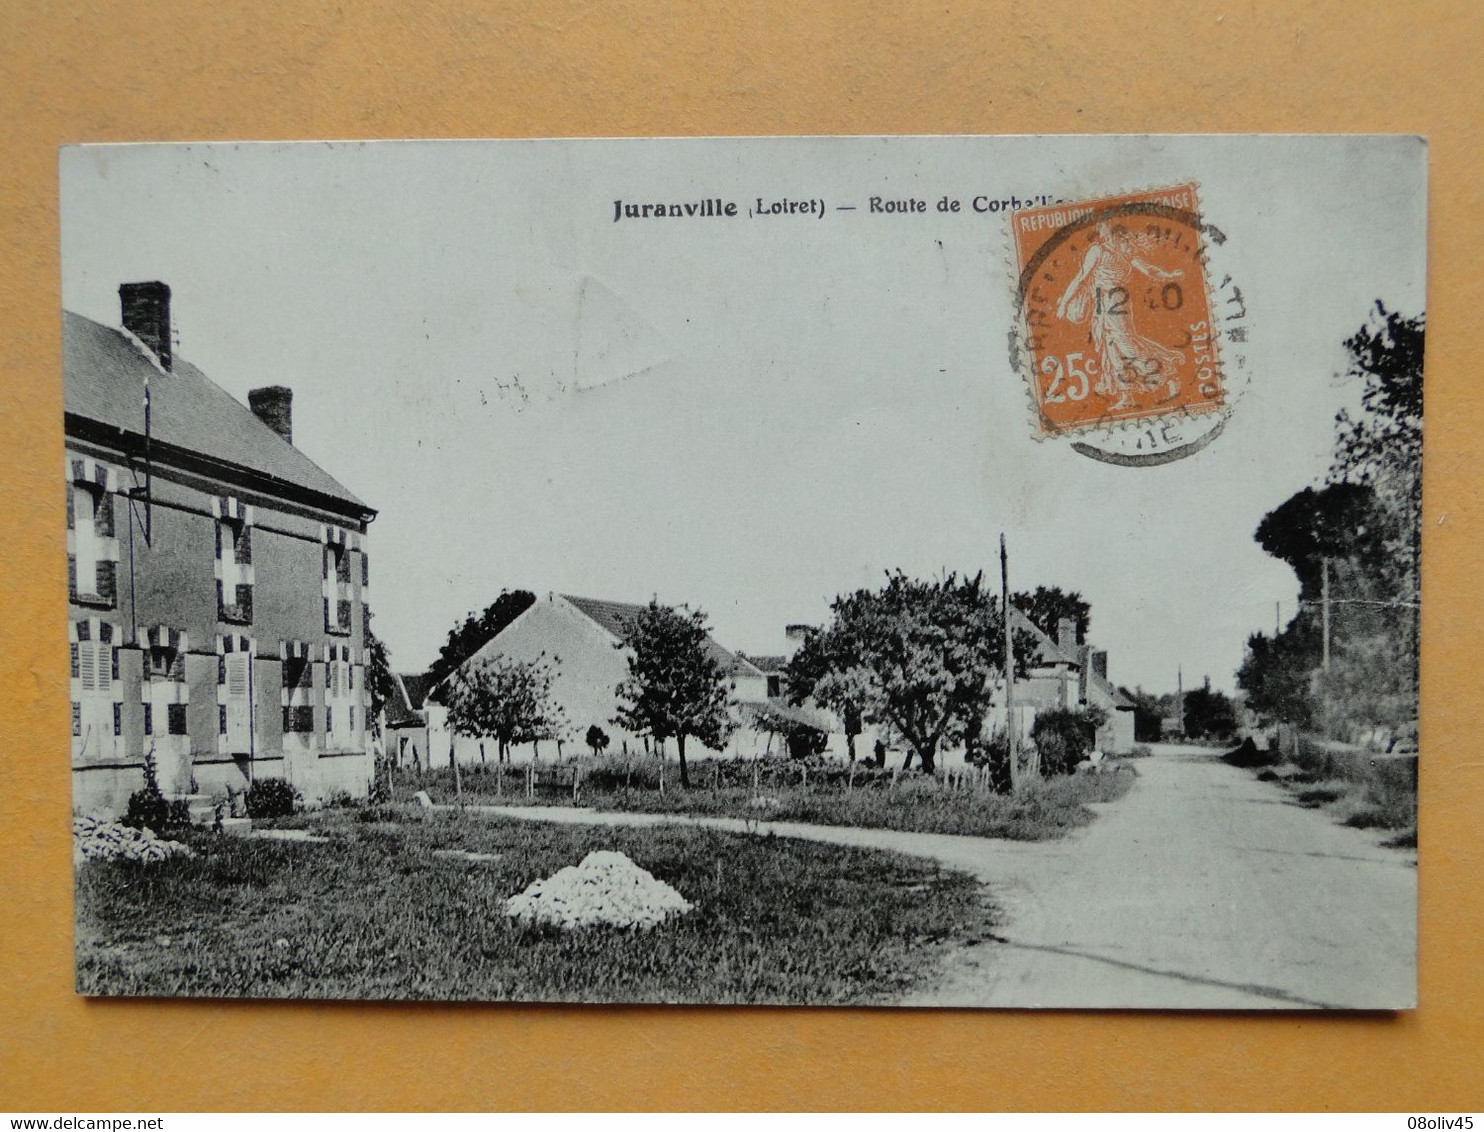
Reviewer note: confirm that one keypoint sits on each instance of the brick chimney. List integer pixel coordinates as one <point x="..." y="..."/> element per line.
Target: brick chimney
<point x="1066" y="635"/>
<point x="274" y="406"/>
<point x="146" y="315"/>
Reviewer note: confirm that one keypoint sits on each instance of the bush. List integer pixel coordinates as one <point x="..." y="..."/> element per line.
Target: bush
<point x="149" y="809"/>
<point x="271" y="798"/>
<point x="1065" y="737"/>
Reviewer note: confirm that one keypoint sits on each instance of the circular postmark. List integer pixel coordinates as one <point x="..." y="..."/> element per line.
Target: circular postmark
<point x="1118" y="327"/>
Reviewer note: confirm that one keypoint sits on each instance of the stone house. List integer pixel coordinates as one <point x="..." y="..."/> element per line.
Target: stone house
<point x="216" y="578"/>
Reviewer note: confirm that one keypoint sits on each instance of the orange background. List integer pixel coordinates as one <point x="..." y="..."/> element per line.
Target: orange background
<point x="158" y="70"/>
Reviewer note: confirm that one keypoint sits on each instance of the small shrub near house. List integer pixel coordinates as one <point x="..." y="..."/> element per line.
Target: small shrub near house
<point x="149" y="809"/>
<point x="271" y="798"/>
<point x="1064" y="737"/>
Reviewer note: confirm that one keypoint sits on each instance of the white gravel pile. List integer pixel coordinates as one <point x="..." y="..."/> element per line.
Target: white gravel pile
<point x="95" y="840"/>
<point x="605" y="889"/>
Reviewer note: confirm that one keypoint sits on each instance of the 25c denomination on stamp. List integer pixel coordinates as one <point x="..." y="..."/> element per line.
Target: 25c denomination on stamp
<point x="1116" y="321"/>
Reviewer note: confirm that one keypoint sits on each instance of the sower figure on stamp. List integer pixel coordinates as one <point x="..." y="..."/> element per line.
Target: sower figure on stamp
<point x="1097" y="295"/>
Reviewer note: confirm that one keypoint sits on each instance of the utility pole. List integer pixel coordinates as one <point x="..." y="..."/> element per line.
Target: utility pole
<point x="1325" y="605"/>
<point x="1011" y="739"/>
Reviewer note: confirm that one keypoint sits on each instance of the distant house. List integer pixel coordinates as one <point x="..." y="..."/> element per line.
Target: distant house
<point x="405" y="722"/>
<point x="583" y="637"/>
<point x="216" y="577"/>
<point x="1070" y="676"/>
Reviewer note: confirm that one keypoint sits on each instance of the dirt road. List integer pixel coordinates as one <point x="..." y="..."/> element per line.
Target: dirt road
<point x="1201" y="888"/>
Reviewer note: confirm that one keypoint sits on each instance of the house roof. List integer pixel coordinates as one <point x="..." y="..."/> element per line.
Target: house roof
<point x="782" y="713"/>
<point x="1046" y="645"/>
<point x="104" y="376"/>
<point x="772" y="665"/>
<point x="1052" y="653"/>
<point x="416" y="686"/>
<point x="401" y="710"/>
<point x="617" y="616"/>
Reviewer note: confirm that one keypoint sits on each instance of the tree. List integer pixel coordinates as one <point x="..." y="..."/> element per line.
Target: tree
<point x="922" y="654"/>
<point x="1333" y="522"/>
<point x="1361" y="532"/>
<point x="596" y="739"/>
<point x="1209" y="714"/>
<point x="675" y="687"/>
<point x="475" y="631"/>
<point x="834" y="682"/>
<point x="507" y="699"/>
<point x="1150" y="713"/>
<point x="1046" y="606"/>
<point x="1277" y="673"/>
<point x="381" y="685"/>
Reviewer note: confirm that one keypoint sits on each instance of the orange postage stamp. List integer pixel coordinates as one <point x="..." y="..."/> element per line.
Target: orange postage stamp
<point x="1115" y="312"/>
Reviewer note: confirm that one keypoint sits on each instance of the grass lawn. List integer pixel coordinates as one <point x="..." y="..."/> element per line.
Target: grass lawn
<point x="1385" y="801"/>
<point x="373" y="913"/>
<point x="1046" y="809"/>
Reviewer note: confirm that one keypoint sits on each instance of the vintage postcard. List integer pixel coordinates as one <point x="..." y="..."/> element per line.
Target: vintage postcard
<point x="951" y="571"/>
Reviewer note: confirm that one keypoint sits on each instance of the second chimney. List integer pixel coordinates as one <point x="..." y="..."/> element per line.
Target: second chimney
<point x="1066" y="634"/>
<point x="274" y="406"/>
<point x="146" y="315"/>
<point x="1100" y="663"/>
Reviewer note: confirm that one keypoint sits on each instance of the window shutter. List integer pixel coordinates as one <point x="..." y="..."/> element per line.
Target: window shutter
<point x="76" y="718"/>
<point x="105" y="515"/>
<point x="149" y="719"/>
<point x="177" y="665"/>
<point x="114" y="665"/>
<point x="244" y="545"/>
<point x="107" y="575"/>
<point x="118" y="719"/>
<point x="244" y="604"/>
<point x="325" y="562"/>
<point x="365" y="570"/>
<point x="221" y="719"/>
<point x="342" y="566"/>
<point x="218" y="538"/>
<point x="237" y="675"/>
<point x="89" y="666"/>
<point x="75" y="668"/>
<point x="72" y="576"/>
<point x="71" y="507"/>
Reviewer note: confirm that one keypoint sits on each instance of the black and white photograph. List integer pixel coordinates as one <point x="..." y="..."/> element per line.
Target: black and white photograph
<point x="871" y="571"/>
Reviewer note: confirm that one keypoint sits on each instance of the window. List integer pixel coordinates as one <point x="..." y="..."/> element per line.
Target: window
<point x="149" y="719"/>
<point x="221" y="719"/>
<point x="337" y="588"/>
<point x="298" y="719"/>
<point x="92" y="572"/>
<point x="118" y="719"/>
<point x="234" y="584"/>
<point x="163" y="663"/>
<point x="93" y="666"/>
<point x="175" y="718"/>
<point x="296" y="672"/>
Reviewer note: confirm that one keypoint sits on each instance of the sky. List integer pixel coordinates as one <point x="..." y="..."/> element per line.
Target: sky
<point x="747" y="414"/>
